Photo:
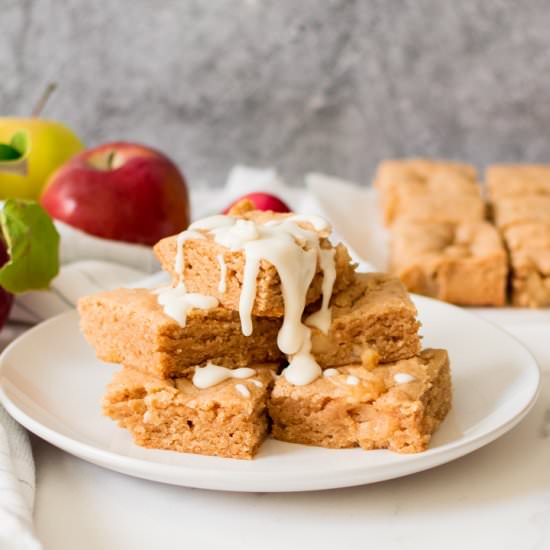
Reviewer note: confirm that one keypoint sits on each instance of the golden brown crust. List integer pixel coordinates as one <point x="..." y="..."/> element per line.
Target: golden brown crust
<point x="367" y="408"/>
<point x="175" y="415"/>
<point x="462" y="263"/>
<point x="510" y="211"/>
<point x="429" y="191"/>
<point x="514" y="180"/>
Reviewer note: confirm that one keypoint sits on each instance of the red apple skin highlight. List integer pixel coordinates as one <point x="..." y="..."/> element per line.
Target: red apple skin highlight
<point x="121" y="191"/>
<point x="6" y="299"/>
<point x="262" y="201"/>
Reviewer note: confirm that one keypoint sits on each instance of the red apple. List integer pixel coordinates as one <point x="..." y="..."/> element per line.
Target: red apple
<point x="262" y="201"/>
<point x="121" y="191"/>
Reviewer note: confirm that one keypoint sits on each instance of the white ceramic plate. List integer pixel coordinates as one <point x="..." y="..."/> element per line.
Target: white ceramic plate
<point x="51" y="383"/>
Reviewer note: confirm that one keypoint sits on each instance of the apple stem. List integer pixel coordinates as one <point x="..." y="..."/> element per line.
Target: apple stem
<point x="110" y="159"/>
<point x="41" y="103"/>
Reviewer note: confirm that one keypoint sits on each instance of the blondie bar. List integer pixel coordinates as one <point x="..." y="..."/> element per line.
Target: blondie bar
<point x="463" y="263"/>
<point x="396" y="406"/>
<point x="228" y="419"/>
<point x="515" y="180"/>
<point x="432" y="191"/>
<point x="376" y="314"/>
<point x="509" y="211"/>
<point x="215" y="270"/>
<point x="529" y="248"/>
<point x="128" y="326"/>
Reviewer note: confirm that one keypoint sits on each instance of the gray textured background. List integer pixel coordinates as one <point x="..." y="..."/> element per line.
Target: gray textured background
<point x="332" y="85"/>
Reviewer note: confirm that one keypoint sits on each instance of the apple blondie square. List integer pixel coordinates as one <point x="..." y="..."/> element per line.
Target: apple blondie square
<point x="374" y="314"/>
<point x="396" y="406"/>
<point x="128" y="326"/>
<point x="214" y="269"/>
<point x="463" y="263"/>
<point x="509" y="211"/>
<point x="515" y="180"/>
<point x="228" y="419"/>
<point x="429" y="191"/>
<point x="529" y="248"/>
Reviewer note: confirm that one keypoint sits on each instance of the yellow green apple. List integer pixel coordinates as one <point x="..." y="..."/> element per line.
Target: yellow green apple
<point x="30" y="150"/>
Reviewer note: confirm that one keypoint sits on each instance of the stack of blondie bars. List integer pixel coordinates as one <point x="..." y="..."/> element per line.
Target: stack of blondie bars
<point x="520" y="199"/>
<point x="442" y="245"/>
<point x="266" y="328"/>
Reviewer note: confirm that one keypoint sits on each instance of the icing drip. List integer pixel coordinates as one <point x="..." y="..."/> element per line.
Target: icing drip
<point x="236" y="235"/>
<point x="179" y="262"/>
<point x="302" y="368"/>
<point x="317" y="222"/>
<point x="223" y="273"/>
<point x="243" y="390"/>
<point x="296" y="267"/>
<point x="330" y="372"/>
<point x="321" y="319"/>
<point x="211" y="374"/>
<point x="213" y="222"/>
<point x="352" y="380"/>
<point x="177" y="302"/>
<point x="403" y="378"/>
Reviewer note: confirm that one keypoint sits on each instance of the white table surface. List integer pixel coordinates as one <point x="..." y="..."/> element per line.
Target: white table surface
<point x="497" y="497"/>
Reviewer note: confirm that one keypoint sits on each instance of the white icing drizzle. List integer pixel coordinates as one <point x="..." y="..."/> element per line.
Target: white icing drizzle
<point x="330" y="372"/>
<point x="180" y="239"/>
<point x="257" y="383"/>
<point x="294" y="252"/>
<point x="321" y="319"/>
<point x="296" y="267"/>
<point x="210" y="375"/>
<point x="302" y="368"/>
<point x="403" y="378"/>
<point x="147" y="417"/>
<point x="317" y="222"/>
<point x="352" y="380"/>
<point x="236" y="235"/>
<point x="213" y="222"/>
<point x="223" y="273"/>
<point x="177" y="302"/>
<point x="243" y="390"/>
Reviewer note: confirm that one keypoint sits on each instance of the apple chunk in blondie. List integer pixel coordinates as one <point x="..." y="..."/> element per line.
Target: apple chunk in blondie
<point x="396" y="406"/>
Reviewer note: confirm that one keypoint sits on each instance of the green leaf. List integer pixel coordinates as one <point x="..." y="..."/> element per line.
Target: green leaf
<point x="32" y="242"/>
<point x="13" y="157"/>
<point x="21" y="142"/>
<point x="7" y="152"/>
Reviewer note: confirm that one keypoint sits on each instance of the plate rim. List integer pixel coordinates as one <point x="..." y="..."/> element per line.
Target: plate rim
<point x="211" y="478"/>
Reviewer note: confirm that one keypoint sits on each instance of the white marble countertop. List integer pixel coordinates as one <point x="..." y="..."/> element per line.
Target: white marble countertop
<point x="497" y="497"/>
